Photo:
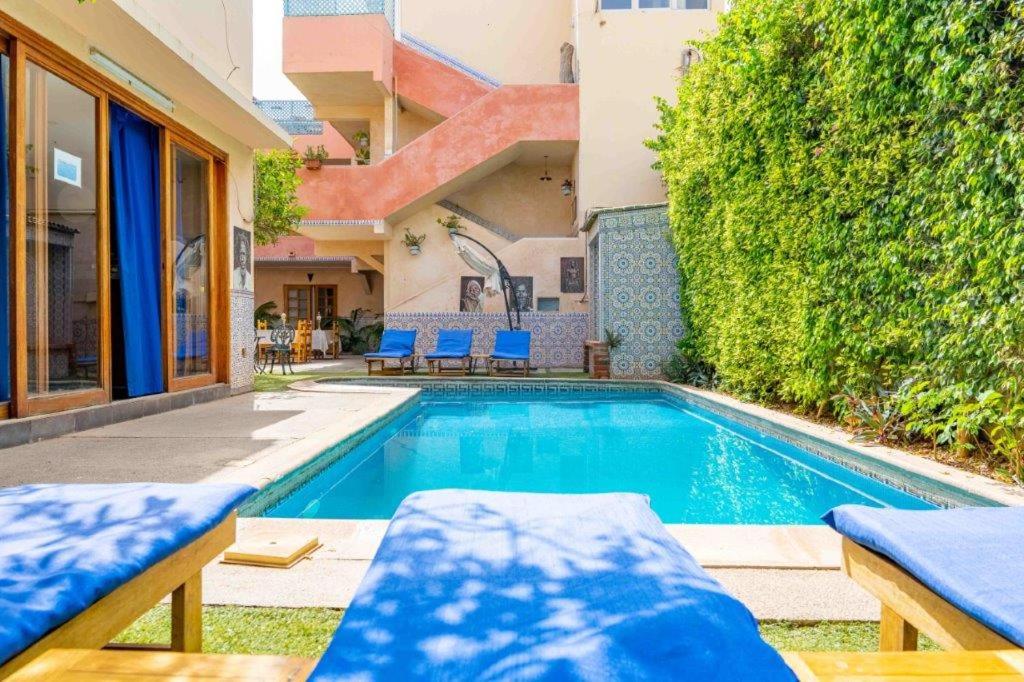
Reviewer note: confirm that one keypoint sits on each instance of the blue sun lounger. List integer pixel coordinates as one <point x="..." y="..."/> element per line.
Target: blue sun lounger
<point x="509" y="586"/>
<point x="452" y="344"/>
<point x="510" y="347"/>
<point x="957" y="575"/>
<point x="395" y="344"/>
<point x="80" y="563"/>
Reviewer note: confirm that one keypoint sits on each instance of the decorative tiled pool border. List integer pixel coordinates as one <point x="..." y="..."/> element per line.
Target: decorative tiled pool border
<point x="273" y="494"/>
<point x="932" y="490"/>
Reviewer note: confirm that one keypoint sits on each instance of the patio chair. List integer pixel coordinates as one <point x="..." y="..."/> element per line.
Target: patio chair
<point x="510" y="347"/>
<point x="281" y="350"/>
<point x="80" y="563"/>
<point x="952" y="574"/>
<point x="452" y="345"/>
<point x="485" y="585"/>
<point x="395" y="344"/>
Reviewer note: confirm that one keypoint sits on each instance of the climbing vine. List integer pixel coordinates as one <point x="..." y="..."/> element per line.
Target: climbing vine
<point x="846" y="182"/>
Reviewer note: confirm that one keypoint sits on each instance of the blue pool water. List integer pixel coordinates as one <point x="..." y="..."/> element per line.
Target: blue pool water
<point x="696" y="467"/>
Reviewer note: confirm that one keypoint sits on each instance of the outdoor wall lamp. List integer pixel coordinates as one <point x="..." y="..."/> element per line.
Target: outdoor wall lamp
<point x="567" y="188"/>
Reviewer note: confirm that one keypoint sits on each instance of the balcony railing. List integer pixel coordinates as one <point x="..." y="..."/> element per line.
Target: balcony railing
<point x="326" y="8"/>
<point x="294" y="115"/>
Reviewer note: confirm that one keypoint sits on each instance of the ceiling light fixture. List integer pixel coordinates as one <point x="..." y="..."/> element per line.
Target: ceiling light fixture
<point x="546" y="177"/>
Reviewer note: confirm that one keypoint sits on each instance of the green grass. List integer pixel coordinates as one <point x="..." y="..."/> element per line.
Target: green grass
<point x="306" y="632"/>
<point x="242" y="630"/>
<point x="826" y="636"/>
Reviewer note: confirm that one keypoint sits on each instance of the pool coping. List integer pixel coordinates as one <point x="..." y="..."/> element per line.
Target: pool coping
<point x="876" y="461"/>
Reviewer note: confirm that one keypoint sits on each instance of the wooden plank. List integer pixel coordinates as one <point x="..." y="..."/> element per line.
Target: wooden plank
<point x="77" y="664"/>
<point x="895" y="633"/>
<point x="932" y="666"/>
<point x="915" y="603"/>
<point x="103" y="243"/>
<point x="108" y="617"/>
<point x="222" y="236"/>
<point x="166" y="255"/>
<point x="187" y="616"/>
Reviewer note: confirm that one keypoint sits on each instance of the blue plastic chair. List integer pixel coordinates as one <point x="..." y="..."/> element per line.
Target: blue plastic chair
<point x="512" y="347"/>
<point x="452" y="344"/>
<point x="395" y="344"/>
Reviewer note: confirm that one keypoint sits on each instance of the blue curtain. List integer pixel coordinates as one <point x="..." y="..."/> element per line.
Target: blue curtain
<point x="135" y="214"/>
<point x="5" y="242"/>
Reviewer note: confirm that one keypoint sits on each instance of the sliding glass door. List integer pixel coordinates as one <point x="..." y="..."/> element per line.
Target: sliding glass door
<point x="63" y="302"/>
<point x="191" y="210"/>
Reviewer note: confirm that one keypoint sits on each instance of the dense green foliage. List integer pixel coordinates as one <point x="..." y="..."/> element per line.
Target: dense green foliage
<point x="846" y="180"/>
<point x="277" y="204"/>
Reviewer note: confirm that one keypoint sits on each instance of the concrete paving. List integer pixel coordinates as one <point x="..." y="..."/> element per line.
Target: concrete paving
<point x="788" y="572"/>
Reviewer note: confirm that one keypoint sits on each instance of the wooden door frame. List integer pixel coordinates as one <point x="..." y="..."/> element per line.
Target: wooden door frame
<point x="23" y="404"/>
<point x="312" y="298"/>
<point x="216" y="263"/>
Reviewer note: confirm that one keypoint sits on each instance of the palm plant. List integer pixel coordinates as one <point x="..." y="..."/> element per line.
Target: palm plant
<point x="356" y="338"/>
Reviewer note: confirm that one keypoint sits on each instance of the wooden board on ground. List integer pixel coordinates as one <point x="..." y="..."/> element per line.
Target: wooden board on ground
<point x="271" y="550"/>
<point x="916" y="666"/>
<point x="81" y="665"/>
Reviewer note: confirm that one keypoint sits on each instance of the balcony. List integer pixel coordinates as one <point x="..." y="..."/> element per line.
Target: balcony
<point x="295" y="116"/>
<point x="330" y="8"/>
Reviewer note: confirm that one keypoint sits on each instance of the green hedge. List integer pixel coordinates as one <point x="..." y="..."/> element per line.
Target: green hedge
<point x="846" y="182"/>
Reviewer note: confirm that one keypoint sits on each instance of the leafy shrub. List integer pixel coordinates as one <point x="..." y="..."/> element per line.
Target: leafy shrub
<point x="846" y="183"/>
<point x="275" y="190"/>
<point x="684" y="367"/>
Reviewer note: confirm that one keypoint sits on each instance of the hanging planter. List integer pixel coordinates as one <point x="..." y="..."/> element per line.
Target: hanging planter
<point x="414" y="242"/>
<point x="451" y="223"/>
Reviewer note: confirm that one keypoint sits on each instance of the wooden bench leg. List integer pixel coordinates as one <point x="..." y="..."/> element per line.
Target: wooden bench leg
<point x="896" y="634"/>
<point x="187" y="616"/>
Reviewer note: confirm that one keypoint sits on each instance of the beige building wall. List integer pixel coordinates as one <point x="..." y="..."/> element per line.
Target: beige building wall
<point x="352" y="287"/>
<point x="626" y="58"/>
<point x="514" y="42"/>
<point x="430" y="281"/>
<point x="221" y="34"/>
<point x="515" y="198"/>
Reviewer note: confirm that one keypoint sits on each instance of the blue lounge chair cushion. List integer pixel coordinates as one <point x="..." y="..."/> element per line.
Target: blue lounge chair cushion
<point x="471" y="585"/>
<point x="511" y="345"/>
<point x="395" y="344"/>
<point x="64" y="547"/>
<point x="452" y="344"/>
<point x="972" y="558"/>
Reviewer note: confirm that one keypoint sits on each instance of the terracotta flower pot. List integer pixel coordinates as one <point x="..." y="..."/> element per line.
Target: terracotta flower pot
<point x="313" y="164"/>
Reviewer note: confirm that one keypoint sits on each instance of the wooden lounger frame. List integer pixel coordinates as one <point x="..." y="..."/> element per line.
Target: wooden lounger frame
<point x="909" y="607"/>
<point x="495" y="368"/>
<point x="406" y="365"/>
<point x="179" y="575"/>
<point x="437" y="367"/>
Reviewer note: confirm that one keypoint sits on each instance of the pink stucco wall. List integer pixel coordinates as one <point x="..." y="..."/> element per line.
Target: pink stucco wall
<point x="302" y="247"/>
<point x="490" y="126"/>
<point x="434" y="85"/>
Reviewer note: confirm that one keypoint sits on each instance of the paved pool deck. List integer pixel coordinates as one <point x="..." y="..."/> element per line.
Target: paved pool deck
<point x="786" y="572"/>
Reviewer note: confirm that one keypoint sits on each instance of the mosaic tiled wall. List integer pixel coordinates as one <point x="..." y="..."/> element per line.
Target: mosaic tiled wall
<point x="557" y="337"/>
<point x="636" y="289"/>
<point x="241" y="340"/>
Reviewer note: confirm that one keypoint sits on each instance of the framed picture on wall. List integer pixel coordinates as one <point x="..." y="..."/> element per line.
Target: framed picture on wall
<point x="572" y="276"/>
<point x="471" y="295"/>
<point x="524" y="293"/>
<point x="549" y="305"/>
<point x="241" y="273"/>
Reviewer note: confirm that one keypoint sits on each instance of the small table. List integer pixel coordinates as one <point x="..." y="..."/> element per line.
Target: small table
<point x="321" y="341"/>
<point x="80" y="664"/>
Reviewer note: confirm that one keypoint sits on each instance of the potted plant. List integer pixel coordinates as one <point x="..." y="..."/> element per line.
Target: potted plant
<point x="314" y="158"/>
<point x="362" y="140"/>
<point x="451" y="223"/>
<point x="413" y="241"/>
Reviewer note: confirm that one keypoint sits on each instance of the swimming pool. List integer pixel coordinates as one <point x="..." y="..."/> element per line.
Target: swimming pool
<point x="696" y="466"/>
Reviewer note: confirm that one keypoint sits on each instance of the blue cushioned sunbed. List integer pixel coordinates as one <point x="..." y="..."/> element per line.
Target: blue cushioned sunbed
<point x="511" y="345"/>
<point x="395" y="344"/>
<point x="972" y="558"/>
<point x="509" y="586"/>
<point x="452" y="344"/>
<point x="64" y="547"/>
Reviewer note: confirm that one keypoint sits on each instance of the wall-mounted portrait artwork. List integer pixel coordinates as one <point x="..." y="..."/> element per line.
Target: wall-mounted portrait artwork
<point x="471" y="295"/>
<point x="573" y="281"/>
<point x="524" y="293"/>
